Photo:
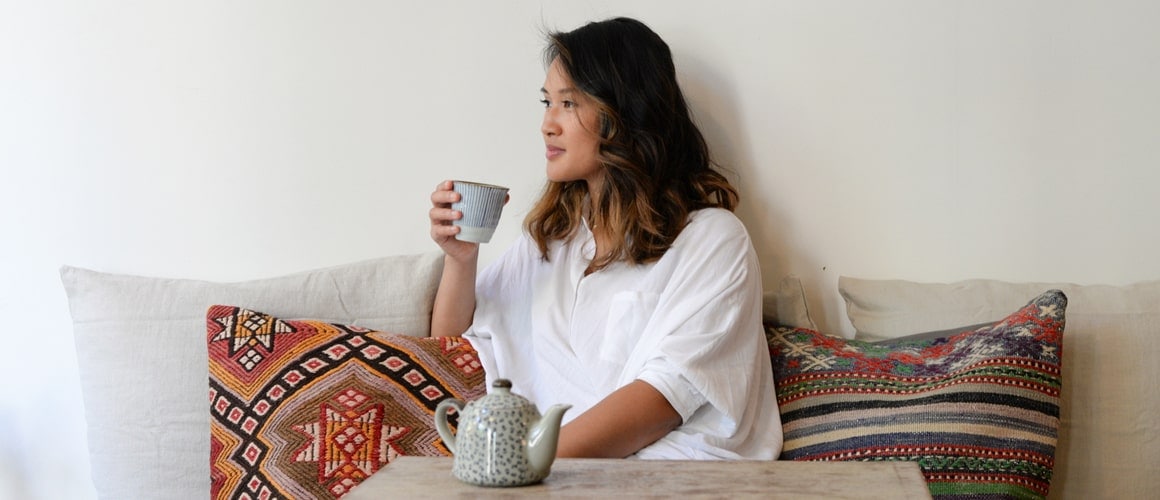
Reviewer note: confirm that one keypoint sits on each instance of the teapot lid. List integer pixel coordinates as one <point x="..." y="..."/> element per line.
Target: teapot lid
<point x="502" y="398"/>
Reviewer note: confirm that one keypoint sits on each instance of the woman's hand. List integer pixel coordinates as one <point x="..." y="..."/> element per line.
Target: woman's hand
<point x="455" y="299"/>
<point x="454" y="305"/>
<point x="442" y="230"/>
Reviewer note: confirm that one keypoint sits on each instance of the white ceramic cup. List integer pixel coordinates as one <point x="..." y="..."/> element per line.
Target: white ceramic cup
<point x="481" y="205"/>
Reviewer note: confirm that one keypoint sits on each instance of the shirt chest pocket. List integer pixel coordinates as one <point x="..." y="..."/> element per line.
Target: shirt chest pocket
<point x="628" y="316"/>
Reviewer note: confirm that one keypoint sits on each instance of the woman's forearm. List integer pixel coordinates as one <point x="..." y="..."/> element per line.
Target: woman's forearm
<point x="455" y="299"/>
<point x="629" y="419"/>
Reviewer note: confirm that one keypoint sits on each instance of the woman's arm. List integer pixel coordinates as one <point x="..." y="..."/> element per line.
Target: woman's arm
<point x="629" y="419"/>
<point x="455" y="299"/>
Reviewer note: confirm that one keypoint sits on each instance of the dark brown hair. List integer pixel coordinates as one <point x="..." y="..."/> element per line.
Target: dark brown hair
<point x="656" y="162"/>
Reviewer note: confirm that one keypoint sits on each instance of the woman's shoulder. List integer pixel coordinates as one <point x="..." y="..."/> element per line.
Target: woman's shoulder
<point x="712" y="231"/>
<point x="718" y="222"/>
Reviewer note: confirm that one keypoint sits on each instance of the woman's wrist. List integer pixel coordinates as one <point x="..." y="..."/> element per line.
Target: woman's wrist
<point x="466" y="260"/>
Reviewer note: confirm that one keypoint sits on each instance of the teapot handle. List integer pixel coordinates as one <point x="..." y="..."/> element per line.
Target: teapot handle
<point x="441" y="421"/>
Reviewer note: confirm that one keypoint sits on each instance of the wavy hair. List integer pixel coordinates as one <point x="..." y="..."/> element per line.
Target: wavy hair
<point x="656" y="162"/>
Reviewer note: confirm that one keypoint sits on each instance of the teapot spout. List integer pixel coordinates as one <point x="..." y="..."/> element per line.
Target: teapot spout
<point x="543" y="438"/>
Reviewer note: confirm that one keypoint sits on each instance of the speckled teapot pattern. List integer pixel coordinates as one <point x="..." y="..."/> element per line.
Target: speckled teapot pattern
<point x="502" y="440"/>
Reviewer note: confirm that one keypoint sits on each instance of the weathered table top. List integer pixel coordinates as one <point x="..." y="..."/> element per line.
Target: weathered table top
<point x="430" y="477"/>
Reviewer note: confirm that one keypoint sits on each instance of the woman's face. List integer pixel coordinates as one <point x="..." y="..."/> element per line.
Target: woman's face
<point x="569" y="129"/>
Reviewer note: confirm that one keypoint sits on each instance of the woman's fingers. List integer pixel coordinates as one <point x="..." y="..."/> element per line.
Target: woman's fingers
<point x="441" y="214"/>
<point x="447" y="231"/>
<point x="444" y="195"/>
<point x="442" y="229"/>
<point x="444" y="216"/>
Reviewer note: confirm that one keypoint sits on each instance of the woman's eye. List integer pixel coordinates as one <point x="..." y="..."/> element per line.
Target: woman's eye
<point x="565" y="104"/>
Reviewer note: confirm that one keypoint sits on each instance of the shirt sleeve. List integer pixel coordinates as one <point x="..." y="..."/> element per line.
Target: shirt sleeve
<point x="704" y="344"/>
<point x="668" y="380"/>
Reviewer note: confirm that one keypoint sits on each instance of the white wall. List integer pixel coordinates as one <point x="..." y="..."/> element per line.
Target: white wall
<point x="923" y="140"/>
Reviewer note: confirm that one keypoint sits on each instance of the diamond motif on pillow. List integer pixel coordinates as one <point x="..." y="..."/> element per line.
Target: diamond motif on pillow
<point x="978" y="410"/>
<point x="372" y="352"/>
<point x="349" y="442"/>
<point x="306" y="409"/>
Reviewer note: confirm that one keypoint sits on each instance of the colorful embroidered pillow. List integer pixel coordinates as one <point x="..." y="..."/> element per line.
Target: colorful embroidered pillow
<point x="308" y="409"/>
<point x="978" y="410"/>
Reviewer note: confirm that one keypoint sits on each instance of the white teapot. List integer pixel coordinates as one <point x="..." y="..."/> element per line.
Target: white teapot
<point x="502" y="439"/>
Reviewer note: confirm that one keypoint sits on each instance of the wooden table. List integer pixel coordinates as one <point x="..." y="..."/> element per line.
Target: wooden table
<point x="430" y="477"/>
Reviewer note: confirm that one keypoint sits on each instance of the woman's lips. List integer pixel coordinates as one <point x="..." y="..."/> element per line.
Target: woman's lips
<point x="553" y="152"/>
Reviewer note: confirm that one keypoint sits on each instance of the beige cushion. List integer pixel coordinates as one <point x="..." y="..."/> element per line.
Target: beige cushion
<point x="786" y="306"/>
<point x="143" y="364"/>
<point x="1109" y="442"/>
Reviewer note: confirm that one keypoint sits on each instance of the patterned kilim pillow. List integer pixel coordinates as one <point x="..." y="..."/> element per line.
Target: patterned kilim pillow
<point x="306" y="409"/>
<point x="978" y="410"/>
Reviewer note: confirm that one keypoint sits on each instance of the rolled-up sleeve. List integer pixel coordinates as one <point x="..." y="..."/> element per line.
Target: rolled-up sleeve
<point x="668" y="380"/>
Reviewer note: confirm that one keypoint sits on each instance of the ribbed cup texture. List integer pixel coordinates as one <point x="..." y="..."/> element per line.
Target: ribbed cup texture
<point x="481" y="204"/>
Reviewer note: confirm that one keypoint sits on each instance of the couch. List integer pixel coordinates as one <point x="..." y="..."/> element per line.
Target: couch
<point x="209" y="360"/>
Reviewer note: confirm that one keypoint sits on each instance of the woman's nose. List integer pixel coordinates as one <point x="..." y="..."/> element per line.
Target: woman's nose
<point x="549" y="127"/>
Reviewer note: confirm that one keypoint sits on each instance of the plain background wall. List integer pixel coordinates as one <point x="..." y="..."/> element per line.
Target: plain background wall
<point x="922" y="140"/>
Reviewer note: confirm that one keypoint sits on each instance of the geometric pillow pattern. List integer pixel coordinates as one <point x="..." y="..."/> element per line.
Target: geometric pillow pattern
<point x="977" y="410"/>
<point x="308" y="409"/>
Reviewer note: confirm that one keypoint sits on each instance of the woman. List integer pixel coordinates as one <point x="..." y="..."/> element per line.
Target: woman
<point x="634" y="294"/>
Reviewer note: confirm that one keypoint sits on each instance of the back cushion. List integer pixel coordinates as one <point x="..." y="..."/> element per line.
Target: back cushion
<point x="141" y="353"/>
<point x="1110" y="398"/>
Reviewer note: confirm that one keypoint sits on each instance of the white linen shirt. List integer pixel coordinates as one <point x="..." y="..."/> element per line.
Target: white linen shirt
<point x="688" y="324"/>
